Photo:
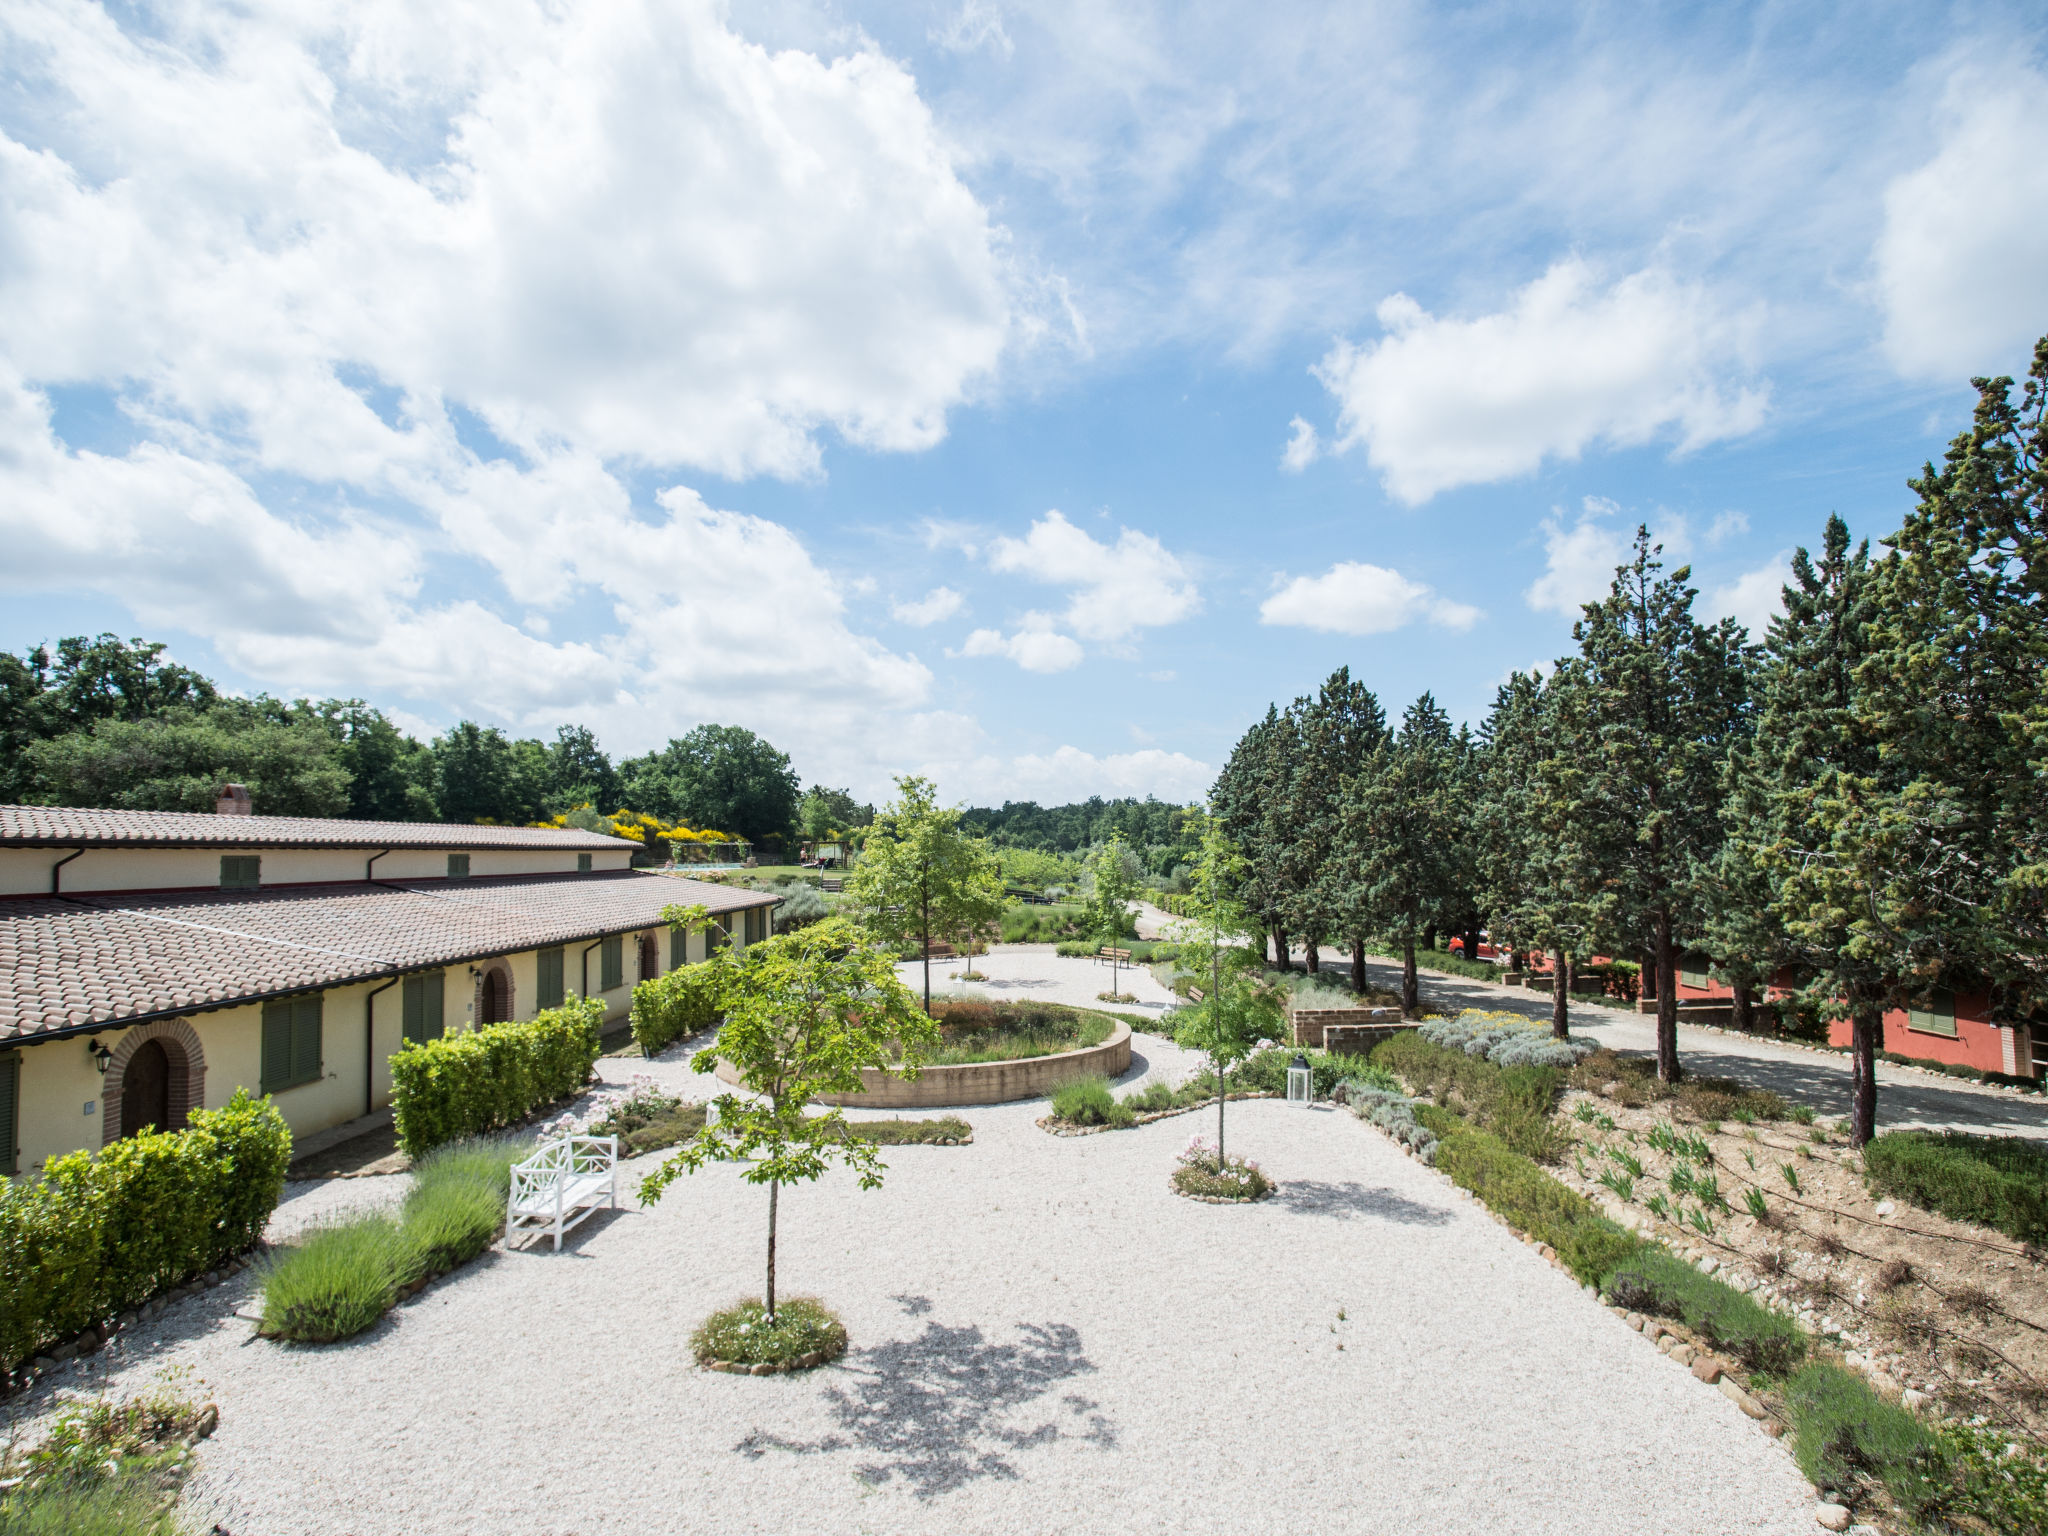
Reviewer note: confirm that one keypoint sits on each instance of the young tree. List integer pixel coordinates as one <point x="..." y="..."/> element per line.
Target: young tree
<point x="1109" y="904"/>
<point x="805" y="1012"/>
<point x="1401" y="826"/>
<point x="1238" y="1009"/>
<point x="919" y="875"/>
<point x="1649" y="708"/>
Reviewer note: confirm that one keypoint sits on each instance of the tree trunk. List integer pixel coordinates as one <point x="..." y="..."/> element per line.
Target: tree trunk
<point x="1312" y="946"/>
<point x="1216" y="1059"/>
<point x="1429" y="937"/>
<point x="1411" y="999"/>
<point x="1358" y="963"/>
<point x="1866" y="1028"/>
<point x="1667" y="1000"/>
<point x="774" y="1189"/>
<point x="1560" y="993"/>
<point x="1472" y="943"/>
<point x="1745" y="1006"/>
<point x="1282" y="960"/>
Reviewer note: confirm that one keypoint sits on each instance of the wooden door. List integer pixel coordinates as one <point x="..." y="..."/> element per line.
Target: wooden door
<point x="146" y="1090"/>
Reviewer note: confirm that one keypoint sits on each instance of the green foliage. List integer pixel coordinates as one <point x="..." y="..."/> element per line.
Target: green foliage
<point x="176" y="762"/>
<point x="674" y="1006"/>
<point x="1027" y="1031"/>
<point x="1515" y="1187"/>
<point x="100" y="1232"/>
<point x="1087" y="1100"/>
<point x="1844" y="1435"/>
<point x="125" y="1507"/>
<point x="826" y="814"/>
<point x="457" y="1201"/>
<point x="1657" y="1282"/>
<point x="1994" y="1181"/>
<point x="482" y="1079"/>
<point x="921" y="878"/>
<point x="721" y="776"/>
<point x="745" y="1333"/>
<point x="946" y="1131"/>
<point x="1515" y="1103"/>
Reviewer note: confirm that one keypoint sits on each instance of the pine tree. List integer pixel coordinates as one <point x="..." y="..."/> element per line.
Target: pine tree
<point x="1401" y="822"/>
<point x="1339" y="732"/>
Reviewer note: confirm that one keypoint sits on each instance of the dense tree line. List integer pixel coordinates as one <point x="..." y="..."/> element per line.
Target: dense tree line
<point x="108" y="722"/>
<point x="1163" y="836"/>
<point x="1853" y="810"/>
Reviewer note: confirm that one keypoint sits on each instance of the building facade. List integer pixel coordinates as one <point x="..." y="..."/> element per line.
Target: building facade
<point x="152" y="963"/>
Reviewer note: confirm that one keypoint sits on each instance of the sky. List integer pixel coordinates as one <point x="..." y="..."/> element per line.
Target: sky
<point x="1025" y="395"/>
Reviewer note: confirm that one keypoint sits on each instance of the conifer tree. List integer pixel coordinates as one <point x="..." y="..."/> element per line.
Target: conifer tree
<point x="1400" y="823"/>
<point x="1339" y="732"/>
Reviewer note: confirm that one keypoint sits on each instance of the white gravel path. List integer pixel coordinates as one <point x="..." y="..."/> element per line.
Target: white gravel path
<point x="1017" y="971"/>
<point x="1045" y="1338"/>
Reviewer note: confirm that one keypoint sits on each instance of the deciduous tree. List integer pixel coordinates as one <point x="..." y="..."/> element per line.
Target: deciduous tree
<point x="920" y="876"/>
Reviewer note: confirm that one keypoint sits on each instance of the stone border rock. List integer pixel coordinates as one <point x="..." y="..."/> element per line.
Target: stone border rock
<point x="978" y="1082"/>
<point x="810" y="1360"/>
<point x="1272" y="1189"/>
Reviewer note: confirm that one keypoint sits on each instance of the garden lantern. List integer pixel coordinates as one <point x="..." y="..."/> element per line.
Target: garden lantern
<point x="1301" y="1081"/>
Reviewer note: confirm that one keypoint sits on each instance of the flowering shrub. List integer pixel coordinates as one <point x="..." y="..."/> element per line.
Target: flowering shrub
<point x="803" y="1333"/>
<point x="1233" y="1178"/>
<point x="477" y="1081"/>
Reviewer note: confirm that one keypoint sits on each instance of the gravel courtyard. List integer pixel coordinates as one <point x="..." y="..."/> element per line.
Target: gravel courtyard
<point x="1044" y="1338"/>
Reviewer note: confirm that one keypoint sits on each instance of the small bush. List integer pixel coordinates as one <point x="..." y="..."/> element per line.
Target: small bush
<point x="743" y="1334"/>
<point x="1392" y="1112"/>
<point x="1202" y="1174"/>
<point x="1657" y="1281"/>
<point x="336" y="1280"/>
<point x="1845" y="1435"/>
<point x="457" y="1201"/>
<point x="1514" y="1186"/>
<point x="1087" y="1101"/>
<point x="1506" y="1040"/>
<point x="1994" y="1181"/>
<point x="122" y="1507"/>
<point x="482" y="1079"/>
<point x="98" y="1232"/>
<point x="947" y="1131"/>
<point x="674" y="1006"/>
<point x="800" y="906"/>
<point x="1515" y="1103"/>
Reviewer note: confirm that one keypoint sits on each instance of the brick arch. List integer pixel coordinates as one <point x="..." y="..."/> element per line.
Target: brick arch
<point x="188" y="1073"/>
<point x="502" y="969"/>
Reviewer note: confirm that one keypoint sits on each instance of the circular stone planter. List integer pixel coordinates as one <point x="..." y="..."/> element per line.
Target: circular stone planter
<point x="979" y="1082"/>
<point x="807" y="1362"/>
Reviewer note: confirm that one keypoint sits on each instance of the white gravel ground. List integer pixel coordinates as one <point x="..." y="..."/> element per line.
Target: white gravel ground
<point x="1038" y="971"/>
<point x="1045" y="1338"/>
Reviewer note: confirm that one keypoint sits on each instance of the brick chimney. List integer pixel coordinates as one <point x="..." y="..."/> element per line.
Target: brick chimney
<point x="233" y="800"/>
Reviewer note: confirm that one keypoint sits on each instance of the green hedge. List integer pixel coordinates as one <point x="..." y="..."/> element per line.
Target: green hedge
<point x="674" y="1007"/>
<point x="1514" y="1103"/>
<point x="1656" y="1281"/>
<point x="1995" y="1181"/>
<point x="1590" y="1245"/>
<point x="97" y="1233"/>
<point x="482" y="1079"/>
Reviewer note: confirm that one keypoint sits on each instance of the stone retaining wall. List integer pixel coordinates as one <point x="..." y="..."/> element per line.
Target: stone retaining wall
<point x="1310" y="1024"/>
<point x="980" y="1082"/>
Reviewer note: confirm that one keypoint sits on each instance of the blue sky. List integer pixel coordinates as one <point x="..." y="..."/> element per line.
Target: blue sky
<point x="1022" y="394"/>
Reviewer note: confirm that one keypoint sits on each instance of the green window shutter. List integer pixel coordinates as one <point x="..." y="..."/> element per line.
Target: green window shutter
<point x="717" y="934"/>
<point x="10" y="1118"/>
<point x="240" y="871"/>
<point x="613" y="966"/>
<point x="678" y="948"/>
<point x="276" y="1071"/>
<point x="1937" y="1018"/>
<point x="582" y="863"/>
<point x="458" y="866"/>
<point x="548" y="980"/>
<point x="423" y="1003"/>
<point x="306" y="1039"/>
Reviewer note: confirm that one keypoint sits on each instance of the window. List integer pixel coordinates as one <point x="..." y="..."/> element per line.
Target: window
<point x="423" y="998"/>
<point x="547" y="985"/>
<point x="458" y="866"/>
<point x="717" y="934"/>
<point x="757" y="924"/>
<point x="240" y="871"/>
<point x="1937" y="1018"/>
<point x="582" y="863"/>
<point x="10" y="1120"/>
<point x="612" y="964"/>
<point x="291" y="1043"/>
<point x="678" y="947"/>
<point x="1692" y="972"/>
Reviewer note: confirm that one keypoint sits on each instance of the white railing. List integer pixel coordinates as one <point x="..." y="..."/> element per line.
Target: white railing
<point x="563" y="1182"/>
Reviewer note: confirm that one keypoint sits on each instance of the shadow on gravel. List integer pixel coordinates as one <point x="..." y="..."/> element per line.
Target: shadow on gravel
<point x="1349" y="1200"/>
<point x="943" y="1409"/>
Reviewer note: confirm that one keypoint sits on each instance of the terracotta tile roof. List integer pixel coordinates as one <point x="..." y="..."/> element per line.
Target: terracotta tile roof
<point x="74" y="962"/>
<point x="79" y="826"/>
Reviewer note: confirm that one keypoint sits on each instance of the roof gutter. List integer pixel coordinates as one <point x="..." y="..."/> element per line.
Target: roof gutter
<point x="370" y="1045"/>
<point x="55" y="878"/>
<point x="586" y="961"/>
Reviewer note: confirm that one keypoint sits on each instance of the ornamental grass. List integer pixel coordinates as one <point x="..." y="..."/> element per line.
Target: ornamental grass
<point x="803" y="1333"/>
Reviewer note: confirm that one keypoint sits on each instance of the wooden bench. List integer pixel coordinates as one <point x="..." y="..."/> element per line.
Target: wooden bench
<point x="1106" y="953"/>
<point x="563" y="1182"/>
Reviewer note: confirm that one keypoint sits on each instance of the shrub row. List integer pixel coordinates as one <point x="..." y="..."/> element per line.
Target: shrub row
<point x="673" y="1007"/>
<point x="1506" y="1040"/>
<point x="1656" y="1281"/>
<point x="1590" y="1245"/>
<point x="1995" y="1181"/>
<point x="97" y="1233"/>
<point x="477" y="1081"/>
<point x="339" y="1279"/>
<point x="1393" y="1113"/>
<point x="1514" y="1103"/>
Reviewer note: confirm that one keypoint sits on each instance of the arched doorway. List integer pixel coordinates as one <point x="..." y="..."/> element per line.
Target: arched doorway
<point x="650" y="957"/>
<point x="494" y="1006"/>
<point x="146" y="1090"/>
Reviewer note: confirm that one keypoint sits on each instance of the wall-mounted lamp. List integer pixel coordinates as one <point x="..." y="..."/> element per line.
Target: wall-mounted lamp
<point x="101" y="1056"/>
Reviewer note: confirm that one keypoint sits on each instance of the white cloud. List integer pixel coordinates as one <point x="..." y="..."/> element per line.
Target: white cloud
<point x="1352" y="598"/>
<point x="1303" y="447"/>
<point x="1962" y="263"/>
<point x="1727" y="525"/>
<point x="977" y="24"/>
<point x="395" y="300"/>
<point x="1580" y="560"/>
<point x="1438" y="403"/>
<point x="1069" y="773"/>
<point x="1035" y="650"/>
<point x="939" y="603"/>
<point x="1118" y="588"/>
<point x="1754" y="598"/>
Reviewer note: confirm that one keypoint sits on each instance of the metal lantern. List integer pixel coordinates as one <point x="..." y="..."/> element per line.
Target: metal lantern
<point x="1301" y="1081"/>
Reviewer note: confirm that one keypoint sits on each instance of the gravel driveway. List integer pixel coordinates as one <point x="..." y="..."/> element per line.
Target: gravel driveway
<point x="1045" y="1338"/>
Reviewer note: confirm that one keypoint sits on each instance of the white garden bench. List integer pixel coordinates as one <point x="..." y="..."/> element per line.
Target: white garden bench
<point x="563" y="1182"/>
